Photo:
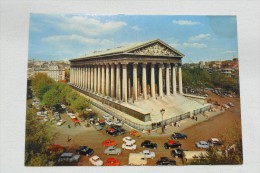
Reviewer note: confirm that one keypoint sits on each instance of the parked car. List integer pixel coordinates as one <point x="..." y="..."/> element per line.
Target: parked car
<point x="165" y="161"/>
<point x="107" y="117"/>
<point x="69" y="157"/>
<point x="119" y="129"/>
<point x="102" y="122"/>
<point x="230" y="104"/>
<point x="70" y="114"/>
<point x="61" y="122"/>
<point x="112" y="162"/>
<point x="148" y="144"/>
<point x="172" y="144"/>
<point x="108" y="143"/>
<point x="215" y="141"/>
<point x="134" y="133"/>
<point x="202" y="144"/>
<point x="118" y="123"/>
<point x="88" y="109"/>
<point x="177" y="153"/>
<point x="112" y="132"/>
<point x="95" y="160"/>
<point x="178" y="136"/>
<point x="129" y="146"/>
<point x="56" y="148"/>
<point x="98" y="126"/>
<point x="129" y="140"/>
<point x="226" y="106"/>
<point x="148" y="154"/>
<point x="113" y="150"/>
<point x="63" y="106"/>
<point x="108" y="122"/>
<point x="84" y="150"/>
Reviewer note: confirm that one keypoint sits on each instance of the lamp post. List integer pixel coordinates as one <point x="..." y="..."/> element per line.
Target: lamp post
<point x="162" y="112"/>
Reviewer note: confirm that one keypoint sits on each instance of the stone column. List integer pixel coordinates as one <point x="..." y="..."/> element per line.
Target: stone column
<point x="124" y="82"/>
<point x="167" y="80"/>
<point x="98" y="79"/>
<point x="112" y="76"/>
<point x="83" y="77"/>
<point x="80" y="77"/>
<point x="180" y="80"/>
<point x="71" y="75"/>
<point x="92" y="78"/>
<point x="76" y="76"/>
<point x="88" y="77"/>
<point x="160" y="81"/>
<point x="174" y="80"/>
<point x="107" y="79"/>
<point x="103" y="80"/>
<point x="95" y="78"/>
<point x="152" y="81"/>
<point x="144" y="81"/>
<point x="118" y="83"/>
<point x="135" y="81"/>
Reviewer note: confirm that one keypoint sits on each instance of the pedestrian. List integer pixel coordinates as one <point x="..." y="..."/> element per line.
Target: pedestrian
<point x="196" y="118"/>
<point x="68" y="126"/>
<point x="178" y="124"/>
<point x="149" y="131"/>
<point x="175" y="124"/>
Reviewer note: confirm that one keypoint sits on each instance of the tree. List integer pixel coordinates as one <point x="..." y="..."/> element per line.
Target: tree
<point x="52" y="97"/>
<point x="40" y="80"/>
<point x="80" y="104"/>
<point x="43" y="89"/>
<point x="38" y="139"/>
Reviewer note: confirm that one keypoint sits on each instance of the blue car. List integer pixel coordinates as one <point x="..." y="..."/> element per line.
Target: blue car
<point x="202" y="144"/>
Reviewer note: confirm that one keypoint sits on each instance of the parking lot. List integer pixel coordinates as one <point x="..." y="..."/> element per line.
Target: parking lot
<point x="204" y="129"/>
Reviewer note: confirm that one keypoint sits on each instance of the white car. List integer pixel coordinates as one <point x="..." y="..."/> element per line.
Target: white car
<point x="95" y="160"/>
<point x="226" y="106"/>
<point x="88" y="109"/>
<point x="148" y="154"/>
<point x="60" y="122"/>
<point x="107" y="117"/>
<point x="230" y="104"/>
<point x="63" y="106"/>
<point x="129" y="140"/>
<point x="128" y="146"/>
<point x="118" y="123"/>
<point x="71" y="115"/>
<point x="108" y="122"/>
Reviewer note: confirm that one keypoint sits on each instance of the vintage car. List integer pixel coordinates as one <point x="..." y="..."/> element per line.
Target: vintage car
<point x="95" y="160"/>
<point x="112" y="162"/>
<point x="129" y="140"/>
<point x="113" y="150"/>
<point x="172" y="144"/>
<point x="128" y="146"/>
<point x="134" y="133"/>
<point x="112" y="132"/>
<point x="177" y="153"/>
<point x="84" y="150"/>
<point x="148" y="144"/>
<point x="148" y="154"/>
<point x="215" y="142"/>
<point x="108" y="143"/>
<point x="165" y="161"/>
<point x="202" y="144"/>
<point x="178" y="136"/>
<point x="69" y="157"/>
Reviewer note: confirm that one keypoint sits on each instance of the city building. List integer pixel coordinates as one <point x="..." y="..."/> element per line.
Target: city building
<point x="137" y="81"/>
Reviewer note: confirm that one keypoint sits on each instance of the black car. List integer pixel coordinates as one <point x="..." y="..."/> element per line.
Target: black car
<point x="178" y="136"/>
<point x="177" y="153"/>
<point x="84" y="150"/>
<point x="119" y="129"/>
<point x="171" y="144"/>
<point x="112" y="132"/>
<point x="148" y="144"/>
<point x="165" y="161"/>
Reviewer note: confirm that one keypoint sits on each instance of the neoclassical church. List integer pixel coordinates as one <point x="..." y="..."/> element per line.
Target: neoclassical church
<point x="135" y="82"/>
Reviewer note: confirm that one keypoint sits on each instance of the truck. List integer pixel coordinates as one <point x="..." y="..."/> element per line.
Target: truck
<point x="137" y="159"/>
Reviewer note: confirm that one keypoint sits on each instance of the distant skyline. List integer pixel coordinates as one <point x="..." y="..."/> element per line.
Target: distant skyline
<point x="67" y="36"/>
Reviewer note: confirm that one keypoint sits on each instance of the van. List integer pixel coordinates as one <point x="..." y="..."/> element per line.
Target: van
<point x="137" y="159"/>
<point x="189" y="156"/>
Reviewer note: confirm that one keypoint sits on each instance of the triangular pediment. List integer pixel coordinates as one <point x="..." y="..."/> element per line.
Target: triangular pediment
<point x="155" y="48"/>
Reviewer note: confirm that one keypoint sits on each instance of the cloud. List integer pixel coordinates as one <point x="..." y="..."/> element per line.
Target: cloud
<point x="199" y="37"/>
<point x="136" y="28"/>
<point x="64" y="39"/>
<point x="89" y="26"/>
<point x="194" y="45"/>
<point x="229" y="52"/>
<point x="185" y="22"/>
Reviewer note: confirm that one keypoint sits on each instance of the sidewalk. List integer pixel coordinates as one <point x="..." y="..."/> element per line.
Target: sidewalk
<point x="169" y="129"/>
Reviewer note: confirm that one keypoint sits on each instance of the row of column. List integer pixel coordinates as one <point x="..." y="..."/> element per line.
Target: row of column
<point x="101" y="79"/>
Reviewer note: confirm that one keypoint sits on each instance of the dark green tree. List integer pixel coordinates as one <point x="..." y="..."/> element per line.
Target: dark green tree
<point x="52" y="97"/>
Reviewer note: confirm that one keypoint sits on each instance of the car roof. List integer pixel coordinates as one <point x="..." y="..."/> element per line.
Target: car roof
<point x="95" y="157"/>
<point x="146" y="151"/>
<point x="203" y="142"/>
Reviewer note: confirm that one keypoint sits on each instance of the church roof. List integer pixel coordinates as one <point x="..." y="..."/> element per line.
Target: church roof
<point x="127" y="49"/>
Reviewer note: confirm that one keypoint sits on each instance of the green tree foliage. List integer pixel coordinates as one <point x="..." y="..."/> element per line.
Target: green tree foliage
<point x="40" y="84"/>
<point x="52" y="97"/>
<point x="37" y="140"/>
<point x="79" y="104"/>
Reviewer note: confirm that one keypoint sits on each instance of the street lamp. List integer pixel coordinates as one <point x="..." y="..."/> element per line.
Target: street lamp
<point x="162" y="112"/>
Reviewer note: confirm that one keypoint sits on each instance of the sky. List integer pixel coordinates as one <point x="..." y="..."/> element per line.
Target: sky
<point x="66" y="36"/>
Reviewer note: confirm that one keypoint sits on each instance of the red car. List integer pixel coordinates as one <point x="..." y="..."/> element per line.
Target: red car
<point x="56" y="148"/>
<point x="112" y="162"/>
<point x="108" y="143"/>
<point x="134" y="133"/>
